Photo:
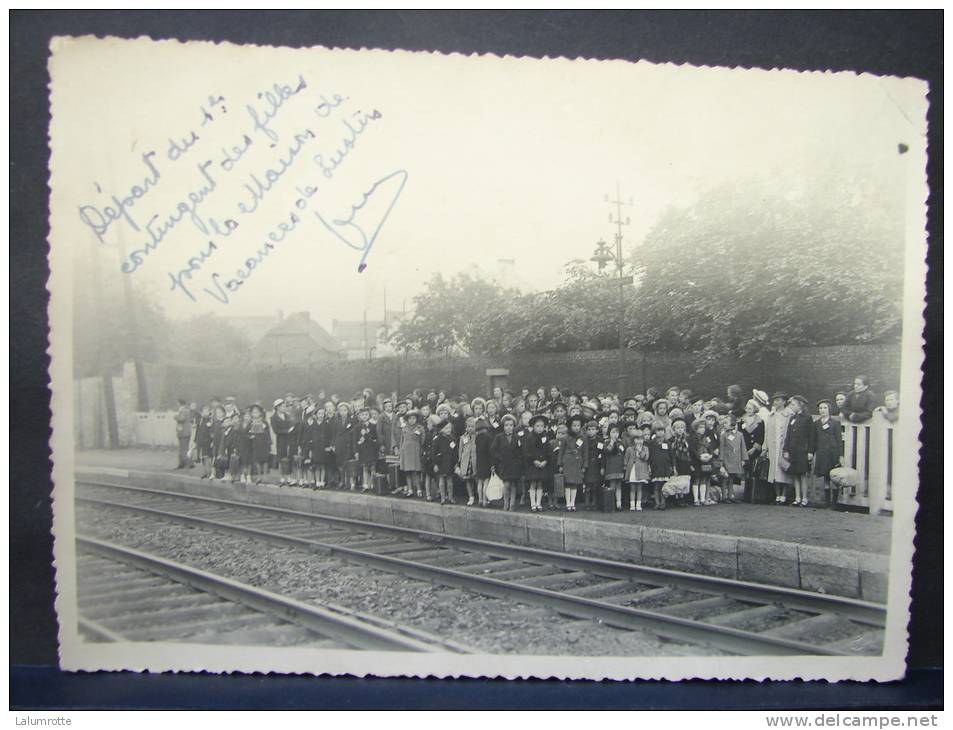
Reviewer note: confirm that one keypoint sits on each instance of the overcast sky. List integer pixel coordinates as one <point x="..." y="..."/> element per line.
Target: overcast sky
<point x="503" y="158"/>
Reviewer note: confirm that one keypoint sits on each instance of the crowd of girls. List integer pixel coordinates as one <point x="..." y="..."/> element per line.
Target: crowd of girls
<point x="550" y="448"/>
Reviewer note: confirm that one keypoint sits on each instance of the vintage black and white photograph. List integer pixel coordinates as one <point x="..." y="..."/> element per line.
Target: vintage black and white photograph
<point x="406" y="364"/>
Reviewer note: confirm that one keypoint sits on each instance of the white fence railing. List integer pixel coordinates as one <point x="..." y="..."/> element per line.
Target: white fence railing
<point x="155" y="428"/>
<point x="870" y="449"/>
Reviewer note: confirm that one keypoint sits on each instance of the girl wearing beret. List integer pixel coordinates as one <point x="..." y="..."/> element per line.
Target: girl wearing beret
<point x="484" y="459"/>
<point x="703" y="446"/>
<point x="443" y="457"/>
<point x="828" y="445"/>
<point x="592" y="475"/>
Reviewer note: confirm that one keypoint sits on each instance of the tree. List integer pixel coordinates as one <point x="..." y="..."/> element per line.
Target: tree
<point x="205" y="339"/>
<point x="743" y="272"/>
<point x="441" y="323"/>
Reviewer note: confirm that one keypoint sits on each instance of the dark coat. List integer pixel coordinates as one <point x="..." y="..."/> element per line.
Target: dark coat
<point x="860" y="406"/>
<point x="443" y="454"/>
<point x="366" y="446"/>
<point x="283" y="429"/>
<point x="828" y="442"/>
<point x="385" y="433"/>
<point x="507" y="455"/>
<point x="217" y="435"/>
<point x="260" y="441"/>
<point x="799" y="442"/>
<point x="537" y="447"/>
<point x="660" y="459"/>
<point x="203" y="436"/>
<point x="754" y="439"/>
<point x="484" y="458"/>
<point x="230" y="442"/>
<point x="594" y="461"/>
<point x="614" y="458"/>
<point x="342" y="439"/>
<point x="681" y="455"/>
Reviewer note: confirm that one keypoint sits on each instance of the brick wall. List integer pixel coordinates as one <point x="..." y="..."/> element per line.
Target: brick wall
<point x="812" y="371"/>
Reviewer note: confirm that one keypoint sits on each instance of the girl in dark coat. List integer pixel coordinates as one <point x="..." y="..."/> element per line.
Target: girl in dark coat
<point x="321" y="452"/>
<point x="507" y="454"/>
<point x="306" y="447"/>
<point x="484" y="459"/>
<point x="828" y="445"/>
<point x="592" y="474"/>
<point x="660" y="461"/>
<point x="537" y="453"/>
<point x="231" y="447"/>
<point x="614" y="466"/>
<point x="218" y="431"/>
<point x="443" y="456"/>
<point x="245" y="447"/>
<point x="366" y="448"/>
<point x="283" y="426"/>
<point x="799" y="445"/>
<point x="341" y="428"/>
<point x="203" y="441"/>
<point x="752" y="431"/>
<point x="260" y="438"/>
<point x="703" y="447"/>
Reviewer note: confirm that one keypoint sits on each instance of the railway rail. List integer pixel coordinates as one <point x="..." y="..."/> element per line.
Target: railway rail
<point x="733" y="616"/>
<point x="128" y="595"/>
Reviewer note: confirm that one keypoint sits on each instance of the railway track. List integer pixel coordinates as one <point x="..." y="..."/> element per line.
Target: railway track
<point x="128" y="595"/>
<point x="733" y="616"/>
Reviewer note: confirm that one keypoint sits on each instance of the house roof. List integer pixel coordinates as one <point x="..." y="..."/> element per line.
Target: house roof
<point x="300" y="324"/>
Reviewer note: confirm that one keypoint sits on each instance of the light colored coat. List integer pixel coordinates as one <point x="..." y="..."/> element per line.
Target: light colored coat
<point x="467" y="455"/>
<point x="775" y="432"/>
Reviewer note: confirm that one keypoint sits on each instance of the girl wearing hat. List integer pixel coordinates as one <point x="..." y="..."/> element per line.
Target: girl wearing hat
<point x="571" y="461"/>
<point x="660" y="462"/>
<point x="282" y="425"/>
<point x="443" y="457"/>
<point x="507" y="454"/>
<point x="319" y="443"/>
<point x="430" y="482"/>
<point x="799" y="446"/>
<point x="341" y="428"/>
<point x="260" y="438"/>
<point x="410" y="449"/>
<point x="827" y="454"/>
<point x="614" y="465"/>
<point x="537" y="452"/>
<point x="703" y="447"/>
<point x="366" y="448"/>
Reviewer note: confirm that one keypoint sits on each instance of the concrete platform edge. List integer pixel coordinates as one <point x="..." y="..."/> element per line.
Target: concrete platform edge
<point x="849" y="573"/>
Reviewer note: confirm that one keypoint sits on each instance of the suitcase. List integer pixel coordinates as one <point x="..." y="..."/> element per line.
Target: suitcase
<point x="234" y="466"/>
<point x="393" y="477"/>
<point x="380" y="484"/>
<point x="607" y="499"/>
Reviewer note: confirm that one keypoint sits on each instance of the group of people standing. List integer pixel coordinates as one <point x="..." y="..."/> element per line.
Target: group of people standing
<point x="543" y="446"/>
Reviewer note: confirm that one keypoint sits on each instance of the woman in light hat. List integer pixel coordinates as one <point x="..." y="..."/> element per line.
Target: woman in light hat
<point x="775" y="431"/>
<point x="752" y="431"/>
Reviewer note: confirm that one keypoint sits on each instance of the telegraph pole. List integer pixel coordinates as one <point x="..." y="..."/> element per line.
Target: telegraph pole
<point x="622" y="280"/>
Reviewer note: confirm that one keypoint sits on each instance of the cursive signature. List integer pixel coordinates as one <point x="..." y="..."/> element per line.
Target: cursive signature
<point x="354" y="233"/>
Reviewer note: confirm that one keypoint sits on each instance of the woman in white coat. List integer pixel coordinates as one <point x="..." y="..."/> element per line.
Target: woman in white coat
<point x="775" y="431"/>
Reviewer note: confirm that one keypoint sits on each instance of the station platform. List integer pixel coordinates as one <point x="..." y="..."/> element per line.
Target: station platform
<point x="835" y="552"/>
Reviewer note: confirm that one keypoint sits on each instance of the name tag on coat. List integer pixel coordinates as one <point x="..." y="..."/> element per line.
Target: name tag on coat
<point x="826" y="426"/>
<point x="600" y="446"/>
<point x="665" y="447"/>
<point x="543" y="441"/>
<point x="578" y="442"/>
<point x="453" y="445"/>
